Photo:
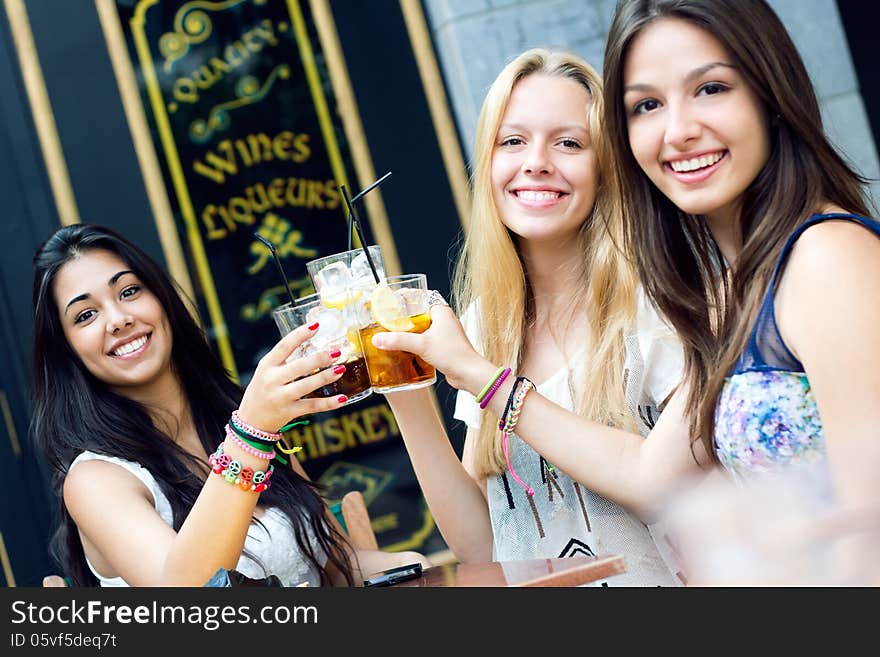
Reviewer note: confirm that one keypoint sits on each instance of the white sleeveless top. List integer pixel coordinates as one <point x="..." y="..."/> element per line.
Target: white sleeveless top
<point x="273" y="543"/>
<point x="568" y="519"/>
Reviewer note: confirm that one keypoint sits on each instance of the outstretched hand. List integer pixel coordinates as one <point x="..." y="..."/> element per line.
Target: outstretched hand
<point x="444" y="345"/>
<point x="275" y="393"/>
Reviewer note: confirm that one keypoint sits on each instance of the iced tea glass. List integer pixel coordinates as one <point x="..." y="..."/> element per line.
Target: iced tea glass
<point x="337" y="329"/>
<point x="400" y="303"/>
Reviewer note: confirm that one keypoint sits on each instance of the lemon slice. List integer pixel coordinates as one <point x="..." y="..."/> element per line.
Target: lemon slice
<point x="389" y="310"/>
<point x="341" y="300"/>
<point x="355" y="341"/>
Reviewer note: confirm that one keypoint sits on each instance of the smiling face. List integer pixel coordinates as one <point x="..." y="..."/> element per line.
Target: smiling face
<point x="113" y="323"/>
<point x="544" y="169"/>
<point x="696" y="128"/>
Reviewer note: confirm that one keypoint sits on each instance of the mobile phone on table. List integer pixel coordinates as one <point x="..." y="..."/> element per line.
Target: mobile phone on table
<point x="394" y="575"/>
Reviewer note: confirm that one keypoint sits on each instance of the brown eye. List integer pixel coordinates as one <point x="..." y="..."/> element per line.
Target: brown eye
<point x="645" y="106"/>
<point x="83" y="316"/>
<point x="712" y="88"/>
<point x="131" y="290"/>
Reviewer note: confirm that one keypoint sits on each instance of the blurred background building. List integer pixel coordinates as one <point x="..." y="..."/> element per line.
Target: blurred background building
<point x="191" y="125"/>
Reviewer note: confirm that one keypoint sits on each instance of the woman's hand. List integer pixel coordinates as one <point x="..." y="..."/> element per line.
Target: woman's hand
<point x="275" y="393"/>
<point x="445" y="346"/>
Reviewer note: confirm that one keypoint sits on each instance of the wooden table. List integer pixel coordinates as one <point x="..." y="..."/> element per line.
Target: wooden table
<point x="570" y="571"/>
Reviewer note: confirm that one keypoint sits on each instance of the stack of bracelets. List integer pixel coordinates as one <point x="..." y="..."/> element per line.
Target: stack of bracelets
<point x="515" y="401"/>
<point x="253" y="441"/>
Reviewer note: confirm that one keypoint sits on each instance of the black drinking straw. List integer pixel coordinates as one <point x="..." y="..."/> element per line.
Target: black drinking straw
<point x="360" y="232"/>
<point x="349" y="220"/>
<point x="278" y="264"/>
<point x="359" y="196"/>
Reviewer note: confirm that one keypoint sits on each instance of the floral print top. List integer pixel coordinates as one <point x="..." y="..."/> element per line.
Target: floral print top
<point x="767" y="416"/>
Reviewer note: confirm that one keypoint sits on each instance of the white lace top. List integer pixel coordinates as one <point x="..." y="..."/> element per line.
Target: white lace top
<point x="273" y="543"/>
<point x="567" y="519"/>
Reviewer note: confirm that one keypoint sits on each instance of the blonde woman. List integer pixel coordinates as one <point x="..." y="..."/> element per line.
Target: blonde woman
<point x="545" y="291"/>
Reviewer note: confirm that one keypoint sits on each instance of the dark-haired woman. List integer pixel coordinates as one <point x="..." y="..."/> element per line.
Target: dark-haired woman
<point x="751" y="237"/>
<point x="168" y="472"/>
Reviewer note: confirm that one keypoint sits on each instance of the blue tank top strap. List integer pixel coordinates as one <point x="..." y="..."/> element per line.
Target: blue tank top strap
<point x="766" y="350"/>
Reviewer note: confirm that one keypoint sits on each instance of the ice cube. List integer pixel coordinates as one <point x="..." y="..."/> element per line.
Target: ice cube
<point x="332" y="280"/>
<point x="357" y="314"/>
<point x="314" y="314"/>
<point x="361" y="273"/>
<point x="415" y="300"/>
<point x="331" y="325"/>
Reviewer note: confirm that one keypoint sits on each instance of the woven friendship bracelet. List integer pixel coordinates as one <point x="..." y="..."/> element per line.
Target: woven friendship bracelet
<point x="516" y="401"/>
<point x="510" y="396"/>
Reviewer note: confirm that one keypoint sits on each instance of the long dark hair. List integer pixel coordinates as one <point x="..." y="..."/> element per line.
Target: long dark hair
<point x="75" y="412"/>
<point x="678" y="261"/>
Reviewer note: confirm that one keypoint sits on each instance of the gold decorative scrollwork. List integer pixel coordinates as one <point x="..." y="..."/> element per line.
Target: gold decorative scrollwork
<point x="342" y="477"/>
<point x="191" y="25"/>
<point x="275" y="296"/>
<point x="248" y="90"/>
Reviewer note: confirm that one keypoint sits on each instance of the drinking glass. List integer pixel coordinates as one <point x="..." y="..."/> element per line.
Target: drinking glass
<point x="344" y="277"/>
<point x="337" y="329"/>
<point x="400" y="303"/>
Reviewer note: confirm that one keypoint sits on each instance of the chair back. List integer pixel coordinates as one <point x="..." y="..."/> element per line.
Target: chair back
<point x="356" y="521"/>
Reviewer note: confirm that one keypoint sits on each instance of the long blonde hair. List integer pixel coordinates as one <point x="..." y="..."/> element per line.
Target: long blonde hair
<point x="490" y="277"/>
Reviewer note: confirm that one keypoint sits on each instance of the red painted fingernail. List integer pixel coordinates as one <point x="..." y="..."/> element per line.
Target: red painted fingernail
<point x="335" y="353"/>
<point x="342" y="399"/>
<point x="339" y="369"/>
<point x="314" y="327"/>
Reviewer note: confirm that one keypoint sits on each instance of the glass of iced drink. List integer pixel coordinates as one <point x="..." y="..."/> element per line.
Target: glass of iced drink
<point x="337" y="330"/>
<point x="400" y="303"/>
<point x="343" y="278"/>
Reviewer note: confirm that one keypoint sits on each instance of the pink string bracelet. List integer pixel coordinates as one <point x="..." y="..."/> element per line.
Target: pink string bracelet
<point x="488" y="396"/>
<point x="506" y="424"/>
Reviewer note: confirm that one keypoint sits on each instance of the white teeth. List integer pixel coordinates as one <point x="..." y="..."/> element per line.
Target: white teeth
<point x="536" y="197"/>
<point x="129" y="347"/>
<point x="696" y="163"/>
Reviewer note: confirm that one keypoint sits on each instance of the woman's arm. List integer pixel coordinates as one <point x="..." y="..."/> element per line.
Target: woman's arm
<point x="123" y="533"/>
<point x="634" y="472"/>
<point x="456" y="499"/>
<point x="828" y="313"/>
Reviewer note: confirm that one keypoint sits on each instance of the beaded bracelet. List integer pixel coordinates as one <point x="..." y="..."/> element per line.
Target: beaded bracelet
<point x="247" y="479"/>
<point x="249" y="449"/>
<point x="253" y="431"/>
<point x="491" y="382"/>
<point x="494" y="388"/>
